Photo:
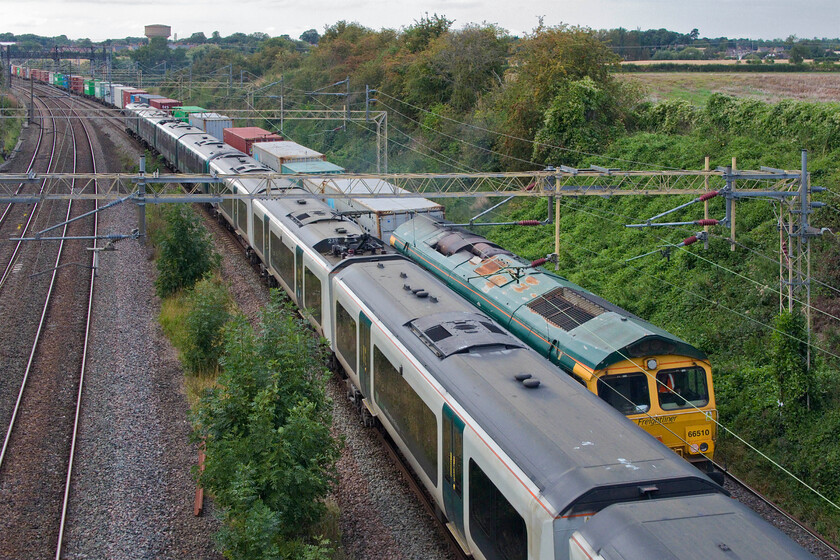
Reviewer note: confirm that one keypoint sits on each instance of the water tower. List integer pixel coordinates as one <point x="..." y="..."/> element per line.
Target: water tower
<point x="158" y="30"/>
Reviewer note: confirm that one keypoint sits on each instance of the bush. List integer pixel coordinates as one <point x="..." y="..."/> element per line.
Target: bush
<point x="208" y="303"/>
<point x="270" y="458"/>
<point x="186" y="254"/>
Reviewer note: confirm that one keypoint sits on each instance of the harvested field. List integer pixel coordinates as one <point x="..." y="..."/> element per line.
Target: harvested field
<point x="772" y="87"/>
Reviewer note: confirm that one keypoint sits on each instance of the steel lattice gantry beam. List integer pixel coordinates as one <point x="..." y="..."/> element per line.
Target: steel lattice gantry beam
<point x="59" y="53"/>
<point x="63" y="186"/>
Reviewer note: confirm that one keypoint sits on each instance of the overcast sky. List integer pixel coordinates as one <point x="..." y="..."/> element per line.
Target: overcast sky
<point x="103" y="19"/>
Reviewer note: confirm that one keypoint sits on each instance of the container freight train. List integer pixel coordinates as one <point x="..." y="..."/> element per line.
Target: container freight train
<point x="523" y="463"/>
<point x="657" y="380"/>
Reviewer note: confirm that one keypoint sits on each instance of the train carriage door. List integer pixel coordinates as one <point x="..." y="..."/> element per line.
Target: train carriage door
<point x="299" y="275"/>
<point x="453" y="467"/>
<point x="364" y="353"/>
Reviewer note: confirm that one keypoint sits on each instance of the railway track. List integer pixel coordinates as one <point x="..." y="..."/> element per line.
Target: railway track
<point x="37" y="454"/>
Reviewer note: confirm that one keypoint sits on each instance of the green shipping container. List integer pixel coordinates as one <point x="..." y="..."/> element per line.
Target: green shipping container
<point x="183" y="113"/>
<point x="90" y="88"/>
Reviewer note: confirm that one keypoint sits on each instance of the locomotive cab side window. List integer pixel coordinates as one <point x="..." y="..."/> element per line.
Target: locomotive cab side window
<point x="682" y="388"/>
<point x="412" y="418"/>
<point x="495" y="526"/>
<point x="312" y="294"/>
<point x="626" y="393"/>
<point x="345" y="335"/>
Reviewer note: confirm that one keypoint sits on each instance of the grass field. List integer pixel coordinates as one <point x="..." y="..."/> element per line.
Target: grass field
<point x="772" y="87"/>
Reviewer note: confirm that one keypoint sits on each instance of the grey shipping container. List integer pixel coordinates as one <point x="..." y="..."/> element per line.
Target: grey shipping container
<point x="213" y="124"/>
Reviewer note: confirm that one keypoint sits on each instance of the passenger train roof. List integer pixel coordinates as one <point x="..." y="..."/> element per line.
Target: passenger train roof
<point x="592" y="330"/>
<point x="577" y="449"/>
<point x="310" y="219"/>
<point x="675" y="530"/>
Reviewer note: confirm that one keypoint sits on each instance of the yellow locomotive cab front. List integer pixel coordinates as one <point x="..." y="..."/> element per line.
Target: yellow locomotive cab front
<point x="670" y="397"/>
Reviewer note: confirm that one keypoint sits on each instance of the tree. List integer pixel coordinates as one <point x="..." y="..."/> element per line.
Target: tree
<point x="311" y="36"/>
<point x="582" y="117"/>
<point x="197" y="38"/>
<point x="186" y="253"/>
<point x="798" y="52"/>
<point x="418" y="36"/>
<point x="545" y="62"/>
<point x="694" y="34"/>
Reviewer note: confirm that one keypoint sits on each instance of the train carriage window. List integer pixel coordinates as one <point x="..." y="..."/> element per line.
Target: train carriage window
<point x="312" y="294"/>
<point x="242" y="215"/>
<point x="682" y="388"/>
<point x="258" y="234"/>
<point x="628" y="393"/>
<point x="345" y="335"/>
<point x="497" y="528"/>
<point x="227" y="204"/>
<point x="284" y="263"/>
<point x="415" y="422"/>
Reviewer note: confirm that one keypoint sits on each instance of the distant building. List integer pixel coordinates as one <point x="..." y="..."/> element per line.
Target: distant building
<point x="158" y="30"/>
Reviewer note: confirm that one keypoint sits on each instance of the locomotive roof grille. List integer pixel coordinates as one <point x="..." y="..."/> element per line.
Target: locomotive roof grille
<point x="457" y="332"/>
<point x="566" y="308"/>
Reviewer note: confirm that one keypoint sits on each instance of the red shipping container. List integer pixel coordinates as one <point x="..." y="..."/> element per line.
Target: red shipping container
<point x="164" y="103"/>
<point x="242" y="138"/>
<point x="127" y="95"/>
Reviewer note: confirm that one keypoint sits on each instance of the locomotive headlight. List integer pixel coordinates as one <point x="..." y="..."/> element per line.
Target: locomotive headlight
<point x="651" y="363"/>
<point x="704" y="447"/>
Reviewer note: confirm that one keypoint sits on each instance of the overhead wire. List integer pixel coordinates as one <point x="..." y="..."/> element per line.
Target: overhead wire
<point x="534" y="142"/>
<point x="716" y="303"/>
<point x="423" y="125"/>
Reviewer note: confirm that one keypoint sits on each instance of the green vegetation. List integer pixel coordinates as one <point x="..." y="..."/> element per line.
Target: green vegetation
<point x="552" y="97"/>
<point x="186" y="255"/>
<point x="266" y="428"/>
<point x="10" y="127"/>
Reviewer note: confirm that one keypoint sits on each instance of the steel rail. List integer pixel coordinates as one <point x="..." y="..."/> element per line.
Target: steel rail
<point x="8" y="208"/>
<point x="73" y="439"/>
<point x="16" y="251"/>
<point x="41" y="321"/>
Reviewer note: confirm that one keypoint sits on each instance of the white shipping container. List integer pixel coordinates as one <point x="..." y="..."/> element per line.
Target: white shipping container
<point x="109" y="93"/>
<point x="381" y="215"/>
<point x="275" y="154"/>
<point x="117" y="95"/>
<point x="213" y="124"/>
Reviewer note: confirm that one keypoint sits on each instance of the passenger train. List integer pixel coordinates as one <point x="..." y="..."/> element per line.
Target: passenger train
<point x="524" y="463"/>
